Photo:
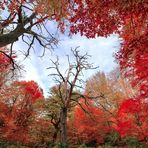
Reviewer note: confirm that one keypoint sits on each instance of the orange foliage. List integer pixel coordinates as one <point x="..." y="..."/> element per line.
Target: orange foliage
<point x="91" y="126"/>
<point x="16" y="110"/>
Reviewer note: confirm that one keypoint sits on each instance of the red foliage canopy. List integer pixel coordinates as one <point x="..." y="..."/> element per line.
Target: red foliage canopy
<point x="90" y="126"/>
<point x="16" y="110"/>
<point x="132" y="119"/>
<point x="30" y="89"/>
<point x="102" y="18"/>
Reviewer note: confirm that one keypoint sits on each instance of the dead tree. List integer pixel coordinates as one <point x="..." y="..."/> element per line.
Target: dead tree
<point x="66" y="85"/>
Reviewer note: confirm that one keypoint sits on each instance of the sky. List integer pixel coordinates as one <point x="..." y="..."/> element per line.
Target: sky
<point x="35" y="68"/>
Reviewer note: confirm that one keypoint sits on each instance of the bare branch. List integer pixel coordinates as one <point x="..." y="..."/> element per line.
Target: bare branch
<point x="68" y="81"/>
<point x="19" y="23"/>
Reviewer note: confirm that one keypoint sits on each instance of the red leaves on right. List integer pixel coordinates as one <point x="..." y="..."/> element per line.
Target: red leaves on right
<point x="132" y="119"/>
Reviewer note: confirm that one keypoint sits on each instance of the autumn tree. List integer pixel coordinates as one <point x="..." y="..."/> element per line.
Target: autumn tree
<point x="129" y="20"/>
<point x="109" y="92"/>
<point x="66" y="85"/>
<point x="121" y="83"/>
<point x="17" y="111"/>
<point x="132" y="120"/>
<point x="40" y="132"/>
<point x="89" y="125"/>
<point x="126" y="18"/>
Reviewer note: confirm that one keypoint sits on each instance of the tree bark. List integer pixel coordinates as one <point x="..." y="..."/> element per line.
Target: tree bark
<point x="6" y="39"/>
<point x="63" y="123"/>
<point x="55" y="134"/>
<point x="13" y="36"/>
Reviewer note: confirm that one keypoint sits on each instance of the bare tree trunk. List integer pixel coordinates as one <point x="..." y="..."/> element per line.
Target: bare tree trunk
<point x="55" y="135"/>
<point x="63" y="126"/>
<point x="65" y="88"/>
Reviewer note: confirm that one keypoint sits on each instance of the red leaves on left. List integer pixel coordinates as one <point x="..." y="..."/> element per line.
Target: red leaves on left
<point x="17" y="110"/>
<point x="31" y="89"/>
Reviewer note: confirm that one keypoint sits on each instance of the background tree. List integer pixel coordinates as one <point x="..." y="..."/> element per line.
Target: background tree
<point x="17" y="111"/>
<point x="121" y="83"/>
<point x="52" y="107"/>
<point x="115" y="88"/>
<point x="89" y="126"/>
<point x="110" y="92"/>
<point x="132" y="120"/>
<point x="40" y="133"/>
